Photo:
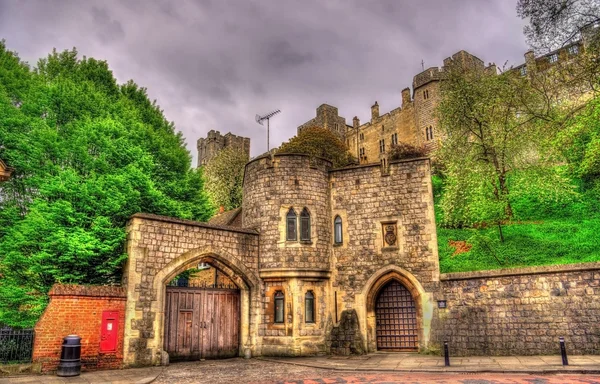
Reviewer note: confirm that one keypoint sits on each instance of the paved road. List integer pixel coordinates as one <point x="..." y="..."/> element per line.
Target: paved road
<point x="234" y="371"/>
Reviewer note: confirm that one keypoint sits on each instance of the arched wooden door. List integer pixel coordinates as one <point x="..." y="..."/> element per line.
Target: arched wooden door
<point x="396" y="319"/>
<point x="202" y="323"/>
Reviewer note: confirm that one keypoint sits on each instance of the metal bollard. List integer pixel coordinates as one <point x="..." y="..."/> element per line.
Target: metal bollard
<point x="446" y="354"/>
<point x="70" y="357"/>
<point x="563" y="351"/>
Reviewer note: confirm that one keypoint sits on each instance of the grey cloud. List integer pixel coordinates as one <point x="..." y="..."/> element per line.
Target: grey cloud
<point x="108" y="29"/>
<point x="215" y="64"/>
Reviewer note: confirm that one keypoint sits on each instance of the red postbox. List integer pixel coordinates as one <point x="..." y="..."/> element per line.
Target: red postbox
<point x="109" y="331"/>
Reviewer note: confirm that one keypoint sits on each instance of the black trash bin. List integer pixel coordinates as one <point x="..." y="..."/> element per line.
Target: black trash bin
<point x="70" y="357"/>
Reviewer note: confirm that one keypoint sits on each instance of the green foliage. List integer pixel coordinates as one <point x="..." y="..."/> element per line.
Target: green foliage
<point x="579" y="142"/>
<point x="87" y="154"/>
<point x="225" y="177"/>
<point x="548" y="242"/>
<point x="402" y="151"/>
<point x="494" y="148"/>
<point x="319" y="142"/>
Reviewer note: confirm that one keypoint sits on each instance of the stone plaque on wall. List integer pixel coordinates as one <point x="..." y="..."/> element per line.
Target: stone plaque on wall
<point x="390" y="235"/>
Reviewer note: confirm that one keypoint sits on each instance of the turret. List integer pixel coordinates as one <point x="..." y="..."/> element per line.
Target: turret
<point x="374" y="111"/>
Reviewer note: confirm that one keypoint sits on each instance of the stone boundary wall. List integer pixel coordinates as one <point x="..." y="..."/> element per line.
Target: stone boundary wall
<point x="77" y="309"/>
<point x="521" y="311"/>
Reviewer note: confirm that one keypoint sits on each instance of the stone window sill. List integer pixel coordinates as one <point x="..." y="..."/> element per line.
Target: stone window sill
<point x="338" y="244"/>
<point x="389" y="249"/>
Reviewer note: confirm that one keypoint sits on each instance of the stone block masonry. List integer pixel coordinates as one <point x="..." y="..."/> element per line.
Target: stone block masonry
<point x="521" y="311"/>
<point x="77" y="309"/>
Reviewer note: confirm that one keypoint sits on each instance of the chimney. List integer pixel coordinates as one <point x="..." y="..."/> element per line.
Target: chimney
<point x="221" y="209"/>
<point x="530" y="61"/>
<point x="374" y="111"/>
<point x="355" y="122"/>
<point x="405" y="97"/>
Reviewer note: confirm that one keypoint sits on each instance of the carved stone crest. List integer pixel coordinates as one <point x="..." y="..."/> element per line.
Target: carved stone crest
<point x="389" y="235"/>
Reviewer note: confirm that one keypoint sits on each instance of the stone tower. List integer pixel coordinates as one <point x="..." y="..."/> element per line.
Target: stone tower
<point x="214" y="143"/>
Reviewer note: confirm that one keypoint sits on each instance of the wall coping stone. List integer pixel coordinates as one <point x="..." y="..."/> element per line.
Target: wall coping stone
<point x="166" y="219"/>
<point x="539" y="270"/>
<point x="369" y="165"/>
<point x="100" y="291"/>
<point x="287" y="154"/>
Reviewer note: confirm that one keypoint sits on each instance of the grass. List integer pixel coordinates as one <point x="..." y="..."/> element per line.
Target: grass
<point x="549" y="242"/>
<point x="549" y="234"/>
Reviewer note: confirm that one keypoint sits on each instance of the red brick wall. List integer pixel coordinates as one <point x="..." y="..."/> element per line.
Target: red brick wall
<point x="76" y="309"/>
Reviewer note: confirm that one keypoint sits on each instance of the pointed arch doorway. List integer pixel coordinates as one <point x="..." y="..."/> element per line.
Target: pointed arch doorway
<point x="396" y="319"/>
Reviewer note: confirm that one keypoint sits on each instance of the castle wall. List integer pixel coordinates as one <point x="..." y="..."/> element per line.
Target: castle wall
<point x="368" y="201"/>
<point x="214" y="143"/>
<point x="328" y="118"/>
<point x="400" y="121"/>
<point x="271" y="188"/>
<point x="159" y="248"/>
<point x="521" y="311"/>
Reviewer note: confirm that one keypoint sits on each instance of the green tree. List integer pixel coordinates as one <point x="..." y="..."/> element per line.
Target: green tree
<point x="319" y="142"/>
<point x="224" y="176"/>
<point x="555" y="23"/>
<point x="88" y="153"/>
<point x="489" y="138"/>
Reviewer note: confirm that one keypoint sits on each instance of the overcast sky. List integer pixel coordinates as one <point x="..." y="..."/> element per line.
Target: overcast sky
<point x="215" y="64"/>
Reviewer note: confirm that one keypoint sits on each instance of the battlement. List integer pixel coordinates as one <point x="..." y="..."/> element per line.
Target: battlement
<point x="427" y="76"/>
<point x="214" y="143"/>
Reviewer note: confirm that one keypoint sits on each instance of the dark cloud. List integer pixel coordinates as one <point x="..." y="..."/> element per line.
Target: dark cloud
<point x="216" y="64"/>
<point x="108" y="29"/>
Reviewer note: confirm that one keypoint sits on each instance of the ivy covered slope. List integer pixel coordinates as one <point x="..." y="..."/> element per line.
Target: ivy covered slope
<point x="87" y="153"/>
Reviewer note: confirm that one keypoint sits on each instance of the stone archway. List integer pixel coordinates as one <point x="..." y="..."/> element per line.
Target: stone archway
<point x="159" y="249"/>
<point x="423" y="303"/>
<point x="237" y="273"/>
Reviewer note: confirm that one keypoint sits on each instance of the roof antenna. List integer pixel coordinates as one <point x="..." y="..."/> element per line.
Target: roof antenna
<point x="260" y="119"/>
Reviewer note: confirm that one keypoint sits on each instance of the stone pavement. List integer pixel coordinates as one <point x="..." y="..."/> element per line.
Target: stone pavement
<point x="412" y="362"/>
<point x="114" y="376"/>
<point x="376" y="362"/>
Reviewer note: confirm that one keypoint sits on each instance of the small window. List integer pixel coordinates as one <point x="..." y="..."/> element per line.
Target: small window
<point x="523" y="70"/>
<point x="309" y="307"/>
<point x="279" y="306"/>
<point x="395" y="139"/>
<point x="305" y="225"/>
<point x="425" y="94"/>
<point x="430" y="133"/>
<point x="382" y="146"/>
<point x="337" y="127"/>
<point x="382" y="127"/>
<point x="573" y="50"/>
<point x="291" y="226"/>
<point x="337" y="230"/>
<point x="553" y="58"/>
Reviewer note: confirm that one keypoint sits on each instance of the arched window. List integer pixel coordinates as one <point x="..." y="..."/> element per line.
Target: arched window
<point x="305" y="225"/>
<point x="291" y="225"/>
<point x="309" y="307"/>
<point x="279" y="306"/>
<point x="337" y="230"/>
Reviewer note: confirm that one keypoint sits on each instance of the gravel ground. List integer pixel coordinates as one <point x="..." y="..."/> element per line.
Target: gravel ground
<point x="234" y="371"/>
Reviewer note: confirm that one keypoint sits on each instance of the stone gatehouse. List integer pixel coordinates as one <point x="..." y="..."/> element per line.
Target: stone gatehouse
<point x="338" y="261"/>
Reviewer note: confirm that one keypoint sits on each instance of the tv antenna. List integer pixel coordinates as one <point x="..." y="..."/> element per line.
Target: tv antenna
<point x="260" y="119"/>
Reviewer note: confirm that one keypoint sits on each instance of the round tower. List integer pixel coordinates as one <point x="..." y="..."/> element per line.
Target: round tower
<point x="286" y="198"/>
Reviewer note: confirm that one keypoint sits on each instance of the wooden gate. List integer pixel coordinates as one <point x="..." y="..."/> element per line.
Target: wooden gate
<point x="396" y="319"/>
<point x="202" y="323"/>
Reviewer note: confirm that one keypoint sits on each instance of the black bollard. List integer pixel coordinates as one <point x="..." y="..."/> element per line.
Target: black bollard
<point x="446" y="354"/>
<point x="563" y="350"/>
<point x="70" y="357"/>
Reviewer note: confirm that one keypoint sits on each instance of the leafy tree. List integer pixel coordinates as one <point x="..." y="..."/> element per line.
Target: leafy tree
<point x="555" y="23"/>
<point x="319" y="142"/>
<point x="406" y="151"/>
<point x="489" y="138"/>
<point x="224" y="178"/>
<point x="88" y="153"/>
